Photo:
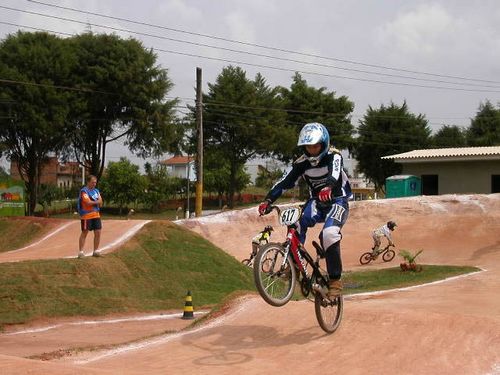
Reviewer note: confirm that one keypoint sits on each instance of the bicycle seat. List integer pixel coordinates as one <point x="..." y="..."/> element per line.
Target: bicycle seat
<point x="319" y="249"/>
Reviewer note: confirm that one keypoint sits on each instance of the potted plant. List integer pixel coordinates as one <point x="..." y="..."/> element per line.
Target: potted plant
<point x="409" y="264"/>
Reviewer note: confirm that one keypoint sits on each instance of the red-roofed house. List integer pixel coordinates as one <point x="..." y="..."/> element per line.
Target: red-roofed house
<point x="181" y="166"/>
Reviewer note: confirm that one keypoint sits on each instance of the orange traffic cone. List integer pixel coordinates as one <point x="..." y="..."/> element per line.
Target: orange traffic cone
<point x="188" y="307"/>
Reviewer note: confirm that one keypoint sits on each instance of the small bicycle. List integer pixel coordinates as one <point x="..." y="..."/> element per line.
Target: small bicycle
<point x="249" y="261"/>
<point x="387" y="255"/>
<point x="279" y="266"/>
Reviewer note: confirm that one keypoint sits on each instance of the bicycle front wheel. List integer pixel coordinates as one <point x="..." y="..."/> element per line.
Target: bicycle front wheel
<point x="247" y="262"/>
<point x="388" y="255"/>
<point x="274" y="275"/>
<point x="328" y="312"/>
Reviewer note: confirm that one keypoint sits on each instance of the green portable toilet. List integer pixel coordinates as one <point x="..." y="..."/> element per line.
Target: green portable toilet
<point x="402" y="186"/>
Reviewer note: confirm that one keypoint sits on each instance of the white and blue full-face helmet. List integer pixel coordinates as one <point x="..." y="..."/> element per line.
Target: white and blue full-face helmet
<point x="312" y="134"/>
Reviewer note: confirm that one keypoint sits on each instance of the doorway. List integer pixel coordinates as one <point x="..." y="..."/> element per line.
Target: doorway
<point x="430" y="184"/>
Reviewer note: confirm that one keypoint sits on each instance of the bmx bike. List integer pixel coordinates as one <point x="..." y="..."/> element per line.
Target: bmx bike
<point x="278" y="267"/>
<point x="249" y="261"/>
<point x="387" y="255"/>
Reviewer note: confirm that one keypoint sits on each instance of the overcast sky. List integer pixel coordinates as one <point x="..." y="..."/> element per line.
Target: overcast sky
<point x="441" y="38"/>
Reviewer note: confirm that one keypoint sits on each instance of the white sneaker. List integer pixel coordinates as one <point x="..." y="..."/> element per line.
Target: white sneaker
<point x="96" y="253"/>
<point x="81" y="254"/>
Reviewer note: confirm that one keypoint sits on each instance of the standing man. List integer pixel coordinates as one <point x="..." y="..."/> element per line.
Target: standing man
<point x="89" y="203"/>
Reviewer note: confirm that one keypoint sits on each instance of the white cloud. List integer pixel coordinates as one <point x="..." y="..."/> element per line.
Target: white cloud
<point x="240" y="26"/>
<point x="419" y="31"/>
<point x="179" y="10"/>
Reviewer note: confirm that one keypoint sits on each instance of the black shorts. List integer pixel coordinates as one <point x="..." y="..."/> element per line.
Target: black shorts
<point x="91" y="224"/>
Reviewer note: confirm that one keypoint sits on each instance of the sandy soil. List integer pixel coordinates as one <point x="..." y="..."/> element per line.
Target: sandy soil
<point x="446" y="328"/>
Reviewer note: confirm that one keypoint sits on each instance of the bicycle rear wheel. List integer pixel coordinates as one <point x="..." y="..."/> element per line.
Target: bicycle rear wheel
<point x="274" y="276"/>
<point x="365" y="258"/>
<point x="328" y="313"/>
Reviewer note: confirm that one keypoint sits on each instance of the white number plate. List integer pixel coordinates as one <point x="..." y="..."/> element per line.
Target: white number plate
<point x="290" y="216"/>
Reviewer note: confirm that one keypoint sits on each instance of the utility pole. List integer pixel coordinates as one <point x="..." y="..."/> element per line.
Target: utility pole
<point x="187" y="192"/>
<point x="199" y="156"/>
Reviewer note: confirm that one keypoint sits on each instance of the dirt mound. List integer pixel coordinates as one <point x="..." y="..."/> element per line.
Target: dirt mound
<point x="437" y="224"/>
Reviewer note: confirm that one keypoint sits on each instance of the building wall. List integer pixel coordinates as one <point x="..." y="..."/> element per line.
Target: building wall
<point x="459" y="176"/>
<point x="180" y="170"/>
<point x="54" y="173"/>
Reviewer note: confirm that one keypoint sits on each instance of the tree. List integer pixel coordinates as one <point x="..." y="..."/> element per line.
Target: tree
<point x="122" y="183"/>
<point x="485" y="127"/>
<point x="33" y="109"/>
<point x="266" y="178"/>
<point x="160" y="186"/>
<point x="386" y="131"/>
<point x="306" y="104"/>
<point x="238" y="125"/>
<point x="47" y="194"/>
<point x="3" y="174"/>
<point x="128" y="100"/>
<point x="217" y="176"/>
<point x="449" y="136"/>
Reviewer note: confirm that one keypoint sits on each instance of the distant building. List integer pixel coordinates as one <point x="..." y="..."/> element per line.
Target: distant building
<point x="362" y="188"/>
<point x="54" y="172"/>
<point x="255" y="166"/>
<point x="180" y="166"/>
<point x="462" y="170"/>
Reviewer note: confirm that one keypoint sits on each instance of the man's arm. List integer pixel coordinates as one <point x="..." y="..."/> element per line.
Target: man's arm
<point x="87" y="200"/>
<point x="288" y="181"/>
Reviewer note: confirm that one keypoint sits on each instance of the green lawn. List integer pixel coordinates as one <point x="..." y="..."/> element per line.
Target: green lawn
<point x="390" y="278"/>
<point x="153" y="272"/>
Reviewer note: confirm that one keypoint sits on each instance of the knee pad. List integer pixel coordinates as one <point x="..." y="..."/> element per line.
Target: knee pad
<point x="330" y="236"/>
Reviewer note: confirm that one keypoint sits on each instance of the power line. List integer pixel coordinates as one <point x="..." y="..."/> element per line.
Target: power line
<point x="294" y="123"/>
<point x="305" y="72"/>
<point x="191" y="99"/>
<point x="246" y="52"/>
<point x="324" y="74"/>
<point x="261" y="55"/>
<point x="258" y="45"/>
<point x="25" y="83"/>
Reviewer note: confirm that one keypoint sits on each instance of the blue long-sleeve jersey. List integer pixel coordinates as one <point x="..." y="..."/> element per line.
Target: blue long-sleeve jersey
<point x="328" y="172"/>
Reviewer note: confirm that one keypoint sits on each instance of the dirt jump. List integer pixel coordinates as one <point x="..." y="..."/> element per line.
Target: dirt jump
<point x="447" y="327"/>
<point x="62" y="242"/>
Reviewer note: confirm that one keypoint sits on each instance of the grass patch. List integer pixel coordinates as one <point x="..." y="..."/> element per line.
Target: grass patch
<point x="16" y="233"/>
<point x="152" y="272"/>
<point x="391" y="278"/>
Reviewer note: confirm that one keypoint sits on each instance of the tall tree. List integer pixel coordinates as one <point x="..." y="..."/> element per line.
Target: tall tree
<point x="449" y="136"/>
<point x="306" y="104"/>
<point x="33" y="109"/>
<point x="122" y="183"/>
<point x="217" y="177"/>
<point x="129" y="100"/>
<point x="237" y="123"/>
<point x="386" y="131"/>
<point x="484" y="129"/>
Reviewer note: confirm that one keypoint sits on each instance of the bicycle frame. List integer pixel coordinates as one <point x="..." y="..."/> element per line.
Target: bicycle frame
<point x="293" y="245"/>
<point x="300" y="257"/>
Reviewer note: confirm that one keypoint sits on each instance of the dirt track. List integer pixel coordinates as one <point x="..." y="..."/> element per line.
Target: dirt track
<point x="63" y="241"/>
<point x="446" y="328"/>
